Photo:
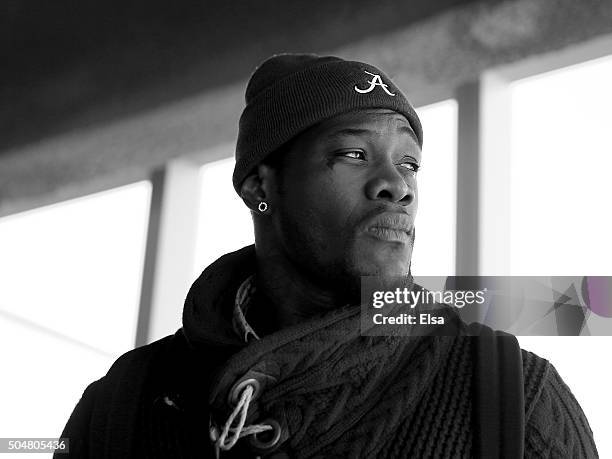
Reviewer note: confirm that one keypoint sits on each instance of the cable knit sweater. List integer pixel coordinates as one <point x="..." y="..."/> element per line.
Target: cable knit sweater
<point x="334" y="393"/>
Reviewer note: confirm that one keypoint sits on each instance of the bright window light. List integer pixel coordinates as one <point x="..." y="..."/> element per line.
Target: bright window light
<point x="70" y="277"/>
<point x="560" y="176"/>
<point x="225" y="223"/>
<point x="75" y="267"/>
<point x="434" y="246"/>
<point x="45" y="375"/>
<point x="561" y="158"/>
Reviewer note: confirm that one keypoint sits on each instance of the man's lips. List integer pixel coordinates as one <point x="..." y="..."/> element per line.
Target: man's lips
<point x="390" y="226"/>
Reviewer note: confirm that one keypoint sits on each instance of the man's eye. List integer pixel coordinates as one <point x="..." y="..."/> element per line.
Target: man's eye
<point x="414" y="167"/>
<point x="356" y="154"/>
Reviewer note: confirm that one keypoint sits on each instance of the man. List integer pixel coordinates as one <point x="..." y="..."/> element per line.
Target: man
<point x="270" y="361"/>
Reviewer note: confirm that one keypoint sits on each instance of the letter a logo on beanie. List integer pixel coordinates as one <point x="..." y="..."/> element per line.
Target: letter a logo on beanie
<point x="375" y="81"/>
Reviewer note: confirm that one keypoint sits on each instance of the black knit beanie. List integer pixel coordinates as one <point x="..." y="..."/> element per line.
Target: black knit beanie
<point x="288" y="93"/>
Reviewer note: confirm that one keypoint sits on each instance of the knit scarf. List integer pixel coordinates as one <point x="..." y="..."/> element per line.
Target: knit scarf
<point x="333" y="391"/>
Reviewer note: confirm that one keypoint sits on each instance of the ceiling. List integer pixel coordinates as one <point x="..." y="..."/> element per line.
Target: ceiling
<point x="69" y="64"/>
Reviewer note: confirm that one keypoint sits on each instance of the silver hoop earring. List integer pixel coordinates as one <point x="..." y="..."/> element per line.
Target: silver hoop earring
<point x="263" y="206"/>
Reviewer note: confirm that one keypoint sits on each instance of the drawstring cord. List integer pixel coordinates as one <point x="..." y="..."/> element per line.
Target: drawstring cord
<point x="230" y="435"/>
<point x="227" y="441"/>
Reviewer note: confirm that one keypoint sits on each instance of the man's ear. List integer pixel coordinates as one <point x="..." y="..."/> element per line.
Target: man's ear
<point x="259" y="186"/>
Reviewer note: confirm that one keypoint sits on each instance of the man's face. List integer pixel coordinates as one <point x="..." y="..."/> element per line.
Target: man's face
<point x="347" y="198"/>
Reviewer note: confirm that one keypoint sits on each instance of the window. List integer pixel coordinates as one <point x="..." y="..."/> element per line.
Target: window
<point x="560" y="219"/>
<point x="560" y="174"/>
<point x="70" y="278"/>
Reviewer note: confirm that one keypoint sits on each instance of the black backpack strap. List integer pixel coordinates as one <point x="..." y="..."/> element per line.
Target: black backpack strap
<point x="498" y="394"/>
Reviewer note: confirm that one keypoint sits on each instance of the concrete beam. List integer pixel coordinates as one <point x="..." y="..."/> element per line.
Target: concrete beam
<point x="494" y="175"/>
<point x="125" y="151"/>
<point x="170" y="252"/>
<point x="432" y="58"/>
<point x="468" y="184"/>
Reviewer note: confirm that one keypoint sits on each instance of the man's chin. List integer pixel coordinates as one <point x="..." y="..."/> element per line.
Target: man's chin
<point x="384" y="261"/>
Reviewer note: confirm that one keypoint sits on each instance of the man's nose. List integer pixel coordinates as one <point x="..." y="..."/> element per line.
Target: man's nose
<point x="388" y="184"/>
